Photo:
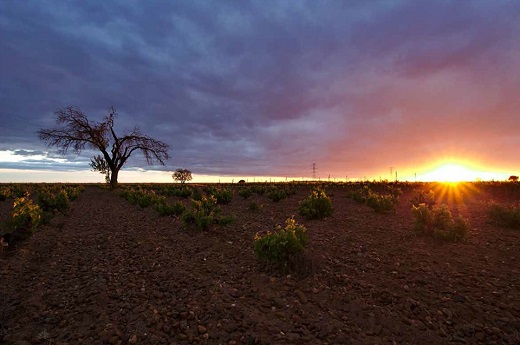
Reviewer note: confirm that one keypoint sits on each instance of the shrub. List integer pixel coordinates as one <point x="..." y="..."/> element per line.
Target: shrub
<point x="18" y="191"/>
<point x="281" y="245"/>
<point x="129" y="195"/>
<point x="49" y="200"/>
<point x="142" y="197"/>
<point x="360" y="195"/>
<point x="25" y="214"/>
<point x="259" y="189"/>
<point x="73" y="192"/>
<point x="145" y="199"/>
<point x="422" y="197"/>
<point x="395" y="191"/>
<point x="457" y="230"/>
<point x="5" y="193"/>
<point x="439" y="223"/>
<point x="505" y="215"/>
<point x="181" y="192"/>
<point x="245" y="192"/>
<point x="276" y="194"/>
<point x="253" y="206"/>
<point x="382" y="203"/>
<point x="226" y="220"/>
<point x="196" y="194"/>
<point x="316" y="206"/>
<point x="223" y="195"/>
<point x="167" y="209"/>
<point x="203" y="213"/>
<point x="62" y="201"/>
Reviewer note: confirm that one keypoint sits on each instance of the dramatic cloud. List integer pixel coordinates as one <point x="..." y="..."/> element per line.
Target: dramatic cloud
<point x="269" y="87"/>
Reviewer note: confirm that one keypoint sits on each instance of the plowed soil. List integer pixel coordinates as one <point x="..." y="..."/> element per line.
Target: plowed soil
<point x="111" y="273"/>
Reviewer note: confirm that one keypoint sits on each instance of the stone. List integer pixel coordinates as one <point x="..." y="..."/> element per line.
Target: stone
<point x="302" y="296"/>
<point x="459" y="298"/>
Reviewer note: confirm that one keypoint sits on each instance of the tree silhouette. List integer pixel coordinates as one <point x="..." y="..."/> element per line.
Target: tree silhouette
<point x="513" y="178"/>
<point x="182" y="175"/>
<point x="78" y="133"/>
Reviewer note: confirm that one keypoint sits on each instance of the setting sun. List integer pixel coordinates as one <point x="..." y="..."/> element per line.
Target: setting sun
<point x="451" y="173"/>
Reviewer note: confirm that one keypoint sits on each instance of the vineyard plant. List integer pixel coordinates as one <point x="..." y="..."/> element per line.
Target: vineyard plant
<point x="260" y="263"/>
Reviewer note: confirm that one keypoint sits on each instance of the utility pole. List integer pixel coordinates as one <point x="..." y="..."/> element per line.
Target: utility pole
<point x="391" y="173"/>
<point x="314" y="171"/>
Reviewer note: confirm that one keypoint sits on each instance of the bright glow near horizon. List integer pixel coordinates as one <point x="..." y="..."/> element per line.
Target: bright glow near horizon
<point x="453" y="173"/>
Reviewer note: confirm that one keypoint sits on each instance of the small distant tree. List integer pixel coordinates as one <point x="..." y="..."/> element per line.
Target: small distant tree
<point x="78" y="133"/>
<point x="99" y="164"/>
<point x="182" y="175"/>
<point x="513" y="178"/>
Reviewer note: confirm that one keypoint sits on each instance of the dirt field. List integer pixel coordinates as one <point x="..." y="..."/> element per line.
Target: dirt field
<point x="109" y="272"/>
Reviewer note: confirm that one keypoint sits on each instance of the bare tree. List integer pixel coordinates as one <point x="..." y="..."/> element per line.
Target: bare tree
<point x="78" y="133"/>
<point x="182" y="175"/>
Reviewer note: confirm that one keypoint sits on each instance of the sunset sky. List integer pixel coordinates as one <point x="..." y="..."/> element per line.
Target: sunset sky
<point x="243" y="89"/>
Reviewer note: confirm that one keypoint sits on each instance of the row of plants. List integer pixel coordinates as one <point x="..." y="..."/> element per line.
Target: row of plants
<point x="203" y="212"/>
<point x="27" y="214"/>
<point x="381" y="203"/>
<point x="148" y="198"/>
<point x="506" y="215"/>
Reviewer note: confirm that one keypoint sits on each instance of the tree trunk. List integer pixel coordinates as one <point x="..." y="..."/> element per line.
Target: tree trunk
<point x="113" y="178"/>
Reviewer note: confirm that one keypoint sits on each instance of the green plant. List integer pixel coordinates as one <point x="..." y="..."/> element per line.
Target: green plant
<point x="18" y="191"/>
<point x="5" y="193"/>
<point x="276" y="194"/>
<point x="422" y="197"/>
<point x="144" y="200"/>
<point x="360" y="195"/>
<point x="196" y="194"/>
<point x="245" y="192"/>
<point x="226" y="220"/>
<point x="51" y="200"/>
<point x="203" y="213"/>
<point x="505" y="215"/>
<point x="25" y="214"/>
<point x="258" y="189"/>
<point x="167" y="209"/>
<point x="253" y="206"/>
<point x="279" y="246"/>
<point x="62" y="201"/>
<point x="316" y="206"/>
<point x="382" y="203"/>
<point x="439" y="223"/>
<point x="181" y="192"/>
<point x="223" y="195"/>
<point x="74" y="192"/>
<point x="395" y="191"/>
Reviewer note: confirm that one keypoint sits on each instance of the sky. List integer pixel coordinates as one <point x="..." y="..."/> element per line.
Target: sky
<point x="264" y="89"/>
